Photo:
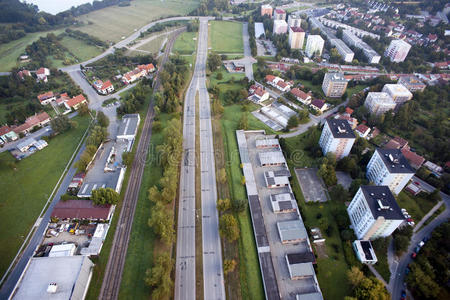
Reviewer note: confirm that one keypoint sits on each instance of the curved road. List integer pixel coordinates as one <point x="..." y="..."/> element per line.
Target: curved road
<point x="397" y="279"/>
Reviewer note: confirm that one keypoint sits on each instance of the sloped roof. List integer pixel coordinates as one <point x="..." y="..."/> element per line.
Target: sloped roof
<point x="75" y="100"/>
<point x="80" y="209"/>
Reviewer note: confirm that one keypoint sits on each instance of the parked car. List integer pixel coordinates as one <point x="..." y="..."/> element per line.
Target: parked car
<point x="403" y="210"/>
<point x="421" y="244"/>
<point x="411" y="223"/>
<point x="413" y="255"/>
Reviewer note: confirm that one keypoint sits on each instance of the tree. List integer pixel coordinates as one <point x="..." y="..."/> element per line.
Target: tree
<point x="161" y="221"/>
<point x="243" y="123"/>
<point x="222" y="175"/>
<point x="292" y="122"/>
<point x="83" y="109"/>
<point x="103" y="196"/>
<point x="339" y="194"/>
<point x="228" y="227"/>
<point x="102" y="119"/>
<point x="223" y="204"/>
<point x="219" y="76"/>
<point x="214" y="61"/>
<point x="328" y="174"/>
<point x="98" y="135"/>
<point x="355" y="276"/>
<point x="228" y="266"/>
<point x="127" y="158"/>
<point x="239" y="205"/>
<point x="60" y="124"/>
<point x="158" y="277"/>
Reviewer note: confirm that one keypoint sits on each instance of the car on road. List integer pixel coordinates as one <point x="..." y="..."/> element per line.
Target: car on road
<point x="421" y="244"/>
<point x="413" y="255"/>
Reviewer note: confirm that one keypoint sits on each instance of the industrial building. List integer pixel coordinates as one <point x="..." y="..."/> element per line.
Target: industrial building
<point x="390" y="168"/>
<point x="300" y="265"/>
<point x="337" y="137"/>
<point x="374" y="212"/>
<point x="128" y="127"/>
<point x="292" y="232"/>
<point x="276" y="179"/>
<point x="283" y="203"/>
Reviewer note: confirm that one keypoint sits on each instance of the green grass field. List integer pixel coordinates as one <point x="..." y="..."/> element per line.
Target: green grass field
<point x="80" y="49"/>
<point x="226" y="37"/>
<point x="417" y="206"/>
<point x="152" y="46"/>
<point x="112" y="23"/>
<point x="186" y="43"/>
<point x="9" y="52"/>
<point x="27" y="187"/>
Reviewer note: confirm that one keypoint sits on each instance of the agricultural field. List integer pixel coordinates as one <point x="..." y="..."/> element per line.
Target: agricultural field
<point x="112" y="23"/>
<point x="152" y="46"/>
<point x="186" y="43"/>
<point x="10" y="52"/>
<point x="21" y="203"/>
<point x="226" y="37"/>
<point x="80" y="49"/>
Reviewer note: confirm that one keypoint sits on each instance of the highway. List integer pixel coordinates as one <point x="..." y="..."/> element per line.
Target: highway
<point x="213" y="280"/>
<point x="116" y="262"/>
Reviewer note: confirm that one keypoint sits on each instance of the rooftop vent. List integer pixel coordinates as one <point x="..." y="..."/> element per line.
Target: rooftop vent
<point x="52" y="287"/>
<point x="392" y="159"/>
<point x="341" y="130"/>
<point x="381" y="205"/>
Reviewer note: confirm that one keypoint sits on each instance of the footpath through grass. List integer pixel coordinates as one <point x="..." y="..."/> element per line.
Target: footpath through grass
<point x="26" y="187"/>
<point x="226" y="37"/>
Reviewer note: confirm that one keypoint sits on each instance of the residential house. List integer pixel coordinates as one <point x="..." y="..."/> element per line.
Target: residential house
<point x="75" y="102"/>
<point x="7" y="134"/>
<point x="362" y="130"/>
<point x="23" y="73"/>
<point x="301" y="96"/>
<point x="138" y="72"/>
<point x="62" y="99"/>
<point x="46" y="98"/>
<point x="414" y="159"/>
<point x="104" y="88"/>
<point x="42" y="74"/>
<point x="258" y="94"/>
<point x="37" y="120"/>
<point x="319" y="105"/>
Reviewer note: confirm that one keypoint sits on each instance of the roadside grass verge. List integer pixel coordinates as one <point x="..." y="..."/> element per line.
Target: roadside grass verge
<point x="417" y="206"/>
<point x="381" y="248"/>
<point x="433" y="216"/>
<point x="226" y="37"/>
<point x="186" y="43"/>
<point x="27" y="186"/>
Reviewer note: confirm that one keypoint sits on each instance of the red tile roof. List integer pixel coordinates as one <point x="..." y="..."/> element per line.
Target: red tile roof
<point x="413" y="158"/>
<point x="40" y="71"/>
<point x="348" y="110"/>
<point x="32" y="121"/>
<point x="299" y="93"/>
<point x="270" y="78"/>
<point x="260" y="92"/>
<point x="400" y="141"/>
<point x="148" y="68"/>
<point x="280" y="11"/>
<point x="80" y="209"/>
<point x="282" y="84"/>
<point x="4" y="130"/>
<point x="76" y="100"/>
<point x="297" y="29"/>
<point x="362" y="128"/>
<point x="106" y="85"/>
<point x="45" y="96"/>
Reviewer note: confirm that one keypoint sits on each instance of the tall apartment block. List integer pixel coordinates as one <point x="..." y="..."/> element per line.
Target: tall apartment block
<point x="280" y="27"/>
<point x="374" y="212"/>
<point x="398" y="92"/>
<point x="337" y="137"/>
<point x="296" y="37"/>
<point x="314" y="44"/>
<point x="294" y="20"/>
<point x="389" y="167"/>
<point x="266" y="9"/>
<point x="279" y="14"/>
<point x="344" y="51"/>
<point x="397" y="50"/>
<point x="334" y="84"/>
<point x="379" y="103"/>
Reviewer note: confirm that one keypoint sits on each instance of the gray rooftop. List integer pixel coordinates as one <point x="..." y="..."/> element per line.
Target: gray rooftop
<point x="310" y="296"/>
<point x="381" y="202"/>
<point x="70" y="273"/>
<point x="292" y="230"/>
<point x="335" y="77"/>
<point x="128" y="125"/>
<point x="394" y="161"/>
<point x="340" y="129"/>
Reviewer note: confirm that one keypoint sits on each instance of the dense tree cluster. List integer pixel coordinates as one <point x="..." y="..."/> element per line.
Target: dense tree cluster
<point x="429" y="274"/>
<point x="62" y="123"/>
<point x="211" y="7"/>
<point x="366" y="288"/>
<point x="103" y="196"/>
<point x="88" y="39"/>
<point x="134" y="101"/>
<point x="158" y="277"/>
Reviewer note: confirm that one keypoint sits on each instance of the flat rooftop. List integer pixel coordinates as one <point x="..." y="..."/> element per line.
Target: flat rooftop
<point x="265" y="143"/>
<point x="70" y="274"/>
<point x="381" y="202"/>
<point x="340" y="129"/>
<point x="335" y="77"/>
<point x="283" y="202"/>
<point x="395" y="161"/>
<point x="292" y="230"/>
<point x="272" y="179"/>
<point x="272" y="158"/>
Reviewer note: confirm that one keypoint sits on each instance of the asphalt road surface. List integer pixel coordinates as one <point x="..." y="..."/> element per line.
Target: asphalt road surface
<point x="213" y="281"/>
<point x="396" y="283"/>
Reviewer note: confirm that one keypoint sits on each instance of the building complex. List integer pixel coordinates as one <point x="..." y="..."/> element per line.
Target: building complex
<point x="334" y="84"/>
<point x="337" y="137"/>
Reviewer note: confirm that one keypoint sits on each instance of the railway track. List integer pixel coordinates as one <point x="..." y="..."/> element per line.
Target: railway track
<point x="116" y="262"/>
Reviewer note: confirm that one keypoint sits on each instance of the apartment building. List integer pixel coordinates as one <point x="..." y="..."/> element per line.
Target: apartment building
<point x="352" y="40"/>
<point x="379" y="103"/>
<point x="397" y="50"/>
<point x="337" y="137"/>
<point x="398" y="92"/>
<point x="314" y="44"/>
<point x="374" y="212"/>
<point x="334" y="84"/>
<point x="266" y="9"/>
<point x="390" y="168"/>
<point x="344" y="51"/>
<point x="296" y="37"/>
<point x="294" y="20"/>
<point x="412" y="83"/>
<point x="279" y="14"/>
<point x="280" y="27"/>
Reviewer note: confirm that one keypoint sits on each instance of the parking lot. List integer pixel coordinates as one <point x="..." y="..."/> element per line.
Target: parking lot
<point x="288" y="288"/>
<point x="344" y="179"/>
<point x="312" y="186"/>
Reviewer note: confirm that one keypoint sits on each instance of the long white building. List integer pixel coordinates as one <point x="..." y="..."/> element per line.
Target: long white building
<point x="397" y="50"/>
<point x="346" y="53"/>
<point x="337" y="137"/>
<point x="374" y="212"/>
<point x="379" y="103"/>
<point x="389" y="167"/>
<point x="352" y="40"/>
<point x="314" y="44"/>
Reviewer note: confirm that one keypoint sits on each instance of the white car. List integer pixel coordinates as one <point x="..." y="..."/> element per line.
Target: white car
<point x="411" y="223"/>
<point x="403" y="210"/>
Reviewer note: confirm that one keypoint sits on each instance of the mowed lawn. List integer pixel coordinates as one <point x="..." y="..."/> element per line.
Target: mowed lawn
<point x="26" y="188"/>
<point x="113" y="23"/>
<point x="226" y="37"/>
<point x="80" y="49"/>
<point x="152" y="46"/>
<point x="186" y="43"/>
<point x="9" y="52"/>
